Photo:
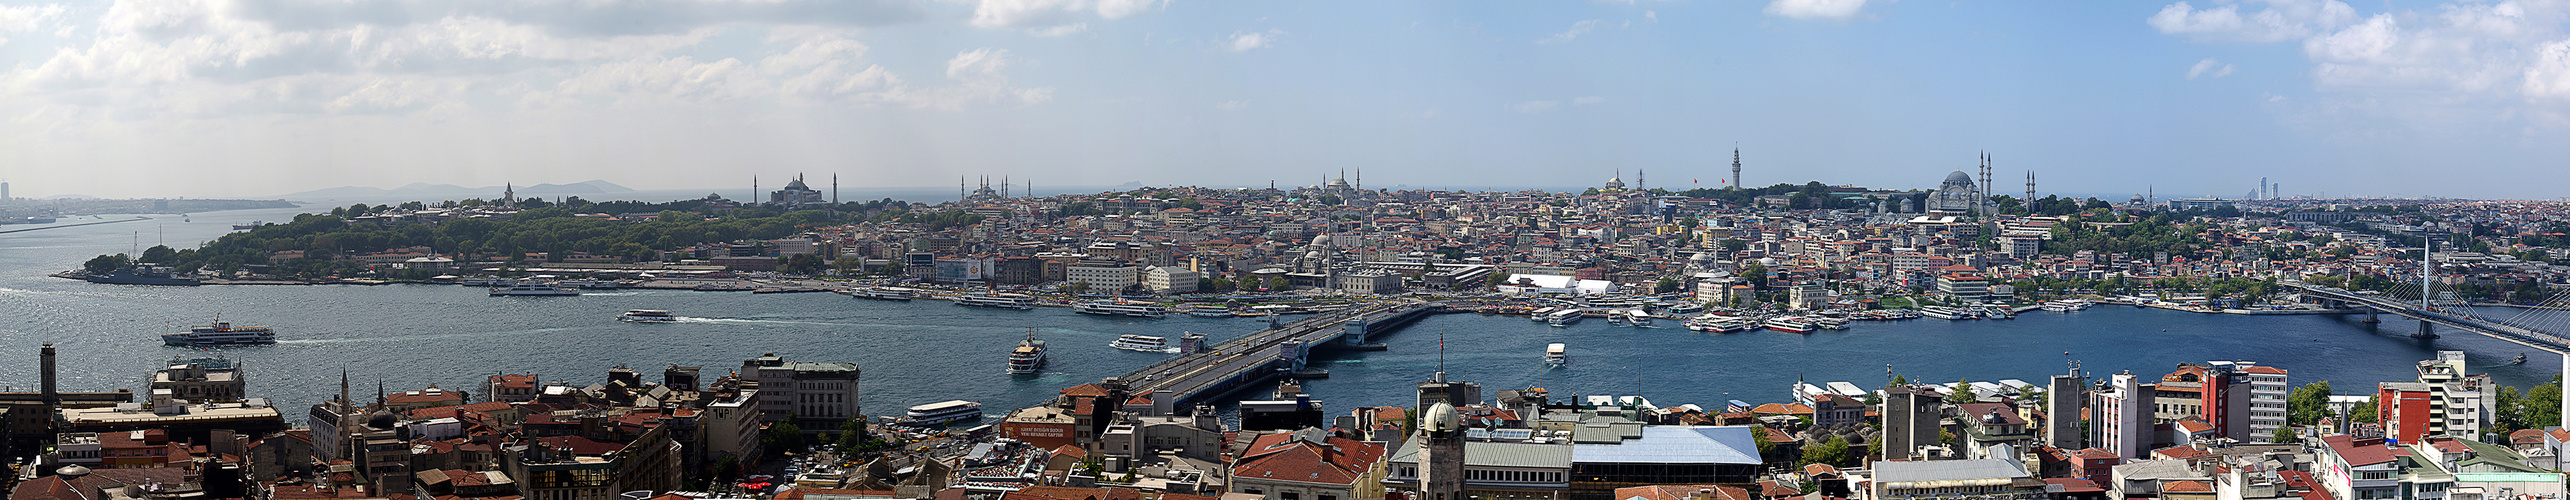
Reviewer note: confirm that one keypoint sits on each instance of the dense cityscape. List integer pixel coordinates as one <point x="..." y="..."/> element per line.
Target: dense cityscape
<point x="1328" y="267"/>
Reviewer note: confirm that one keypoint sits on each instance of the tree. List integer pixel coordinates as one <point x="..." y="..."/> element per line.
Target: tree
<point x="1075" y="287"/>
<point x="782" y="436"/>
<point x="1962" y="393"/>
<point x="2283" y="435"/>
<point x="853" y="434"/>
<point x="2307" y="404"/>
<point x="1667" y="284"/>
<point x="104" y="264"/>
<point x="2367" y="412"/>
<point x="1834" y="451"/>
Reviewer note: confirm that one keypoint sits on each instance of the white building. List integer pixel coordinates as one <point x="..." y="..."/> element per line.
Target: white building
<point x="1103" y="277"/>
<point x="820" y="396"/>
<point x="2121" y="421"/>
<point x="1169" y="280"/>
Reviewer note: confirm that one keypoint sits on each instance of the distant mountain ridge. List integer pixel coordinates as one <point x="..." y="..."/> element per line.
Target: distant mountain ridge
<point x="453" y="191"/>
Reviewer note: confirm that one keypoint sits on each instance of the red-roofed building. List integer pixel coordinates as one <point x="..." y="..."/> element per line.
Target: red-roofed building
<point x="1682" y="492"/>
<point x="1309" y="465"/>
<point x="2354" y="468"/>
<point x="511" y="388"/>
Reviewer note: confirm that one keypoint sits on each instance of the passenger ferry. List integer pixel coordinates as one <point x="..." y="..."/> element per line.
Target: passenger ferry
<point x="1789" y="324"/>
<point x="895" y="294"/>
<point x="1943" y="312"/>
<point x="1830" y="322"/>
<point x="647" y="316"/>
<point x="1143" y="343"/>
<point x="998" y="300"/>
<point x="1541" y="314"/>
<point x="934" y="414"/>
<point x="1564" y="317"/>
<point x="1205" y="311"/>
<point x="532" y="289"/>
<point x="1121" y="308"/>
<point x="1028" y="357"/>
<point x="221" y="333"/>
<point x="1615" y="317"/>
<point x="1637" y="318"/>
<point x="1556" y="356"/>
<point x="2068" y="305"/>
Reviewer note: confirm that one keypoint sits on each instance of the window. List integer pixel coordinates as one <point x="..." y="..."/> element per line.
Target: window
<point x="1293" y="495"/>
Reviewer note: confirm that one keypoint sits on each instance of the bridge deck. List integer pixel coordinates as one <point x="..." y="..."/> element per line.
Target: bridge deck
<point x="2501" y="331"/>
<point x="1223" y="365"/>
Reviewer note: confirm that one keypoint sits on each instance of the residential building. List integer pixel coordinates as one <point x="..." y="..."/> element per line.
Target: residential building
<point x="1309" y="464"/>
<point x="1912" y="417"/>
<point x="203" y="380"/>
<point x="2120" y="418"/>
<point x="1169" y="280"/>
<point x="819" y="396"/>
<point x="1992" y="478"/>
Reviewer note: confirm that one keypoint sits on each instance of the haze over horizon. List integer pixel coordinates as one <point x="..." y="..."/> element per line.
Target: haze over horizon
<point x="227" y="98"/>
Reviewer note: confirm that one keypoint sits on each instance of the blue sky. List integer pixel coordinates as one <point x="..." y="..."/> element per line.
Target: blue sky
<point x="257" y="97"/>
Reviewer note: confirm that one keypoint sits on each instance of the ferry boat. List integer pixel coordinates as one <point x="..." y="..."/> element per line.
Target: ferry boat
<point x="1208" y="311"/>
<point x="532" y="289"/>
<point x="647" y="316"/>
<point x="895" y="294"/>
<point x="1615" y="317"/>
<point x="998" y="300"/>
<point x="1251" y="313"/>
<point x="1564" y="317"/>
<point x="1028" y="357"/>
<point x="1830" y="322"/>
<point x="1143" y="343"/>
<point x="1942" y="312"/>
<point x="1997" y="312"/>
<point x="934" y="414"/>
<point x="1541" y="314"/>
<point x="1637" y="318"/>
<point x="1555" y="356"/>
<point x="221" y="333"/>
<point x="1789" y="324"/>
<point x="1121" y="308"/>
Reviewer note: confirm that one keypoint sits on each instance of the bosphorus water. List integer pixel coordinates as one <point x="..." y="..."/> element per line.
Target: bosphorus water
<point x="409" y="336"/>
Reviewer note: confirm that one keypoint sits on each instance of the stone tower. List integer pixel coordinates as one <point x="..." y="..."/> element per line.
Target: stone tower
<point x="1441" y="453"/>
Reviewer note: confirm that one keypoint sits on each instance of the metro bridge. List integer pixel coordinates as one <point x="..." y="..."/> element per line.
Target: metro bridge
<point x="1278" y="351"/>
<point x="2428" y="317"/>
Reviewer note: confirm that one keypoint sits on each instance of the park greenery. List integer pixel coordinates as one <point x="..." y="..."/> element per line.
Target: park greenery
<point x="553" y="230"/>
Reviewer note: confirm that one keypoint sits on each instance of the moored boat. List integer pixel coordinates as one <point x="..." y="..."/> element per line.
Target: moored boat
<point x="1564" y="317"/>
<point x="1143" y="343"/>
<point x="532" y="289"/>
<point x="1789" y="324"/>
<point x="1121" y="308"/>
<point x="1637" y="317"/>
<point x="997" y="300"/>
<point x="934" y="414"/>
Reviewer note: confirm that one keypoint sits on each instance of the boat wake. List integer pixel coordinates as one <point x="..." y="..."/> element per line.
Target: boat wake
<point x="738" y="321"/>
<point x="421" y="337"/>
<point x="610" y="294"/>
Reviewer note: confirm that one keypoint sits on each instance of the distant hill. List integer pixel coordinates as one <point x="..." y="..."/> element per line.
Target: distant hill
<point x="426" y="191"/>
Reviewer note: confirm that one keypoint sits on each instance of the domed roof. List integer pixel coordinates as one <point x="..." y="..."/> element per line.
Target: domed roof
<point x="1442" y="418"/>
<point x="381" y="420"/>
<point x="1958" y="176"/>
<point x="72" y="471"/>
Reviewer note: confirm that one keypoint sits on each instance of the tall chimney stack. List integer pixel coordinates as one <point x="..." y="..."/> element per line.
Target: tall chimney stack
<point x="53" y="400"/>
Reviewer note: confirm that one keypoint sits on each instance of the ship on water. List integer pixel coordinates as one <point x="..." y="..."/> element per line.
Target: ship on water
<point x="221" y="333"/>
<point x="1028" y="357"/>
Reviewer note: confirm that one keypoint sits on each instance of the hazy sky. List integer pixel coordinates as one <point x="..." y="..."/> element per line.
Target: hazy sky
<point x="260" y="97"/>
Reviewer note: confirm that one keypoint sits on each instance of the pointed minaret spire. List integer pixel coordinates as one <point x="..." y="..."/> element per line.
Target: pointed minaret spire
<point x="343" y="386"/>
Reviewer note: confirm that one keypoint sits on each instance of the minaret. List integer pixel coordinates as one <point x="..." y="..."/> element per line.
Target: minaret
<point x="1735" y="168"/>
<point x="509" y="195"/>
<point x="754" y="190"/>
<point x="1640" y="183"/>
<point x="1983" y="201"/>
<point x="834" y="188"/>
<point x="2030" y="190"/>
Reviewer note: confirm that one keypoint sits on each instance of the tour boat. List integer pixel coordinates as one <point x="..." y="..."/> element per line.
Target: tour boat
<point x="933" y="414"/>
<point x="1144" y="343"/>
<point x="532" y="289"/>
<point x="896" y="294"/>
<point x="1942" y="312"/>
<point x="1121" y="308"/>
<point x="221" y="333"/>
<point x="1564" y="317"/>
<point x="1789" y="324"/>
<point x="1637" y="317"/>
<point x="647" y="316"/>
<point x="1028" y="357"/>
<point x="998" y="300"/>
<point x="1554" y="355"/>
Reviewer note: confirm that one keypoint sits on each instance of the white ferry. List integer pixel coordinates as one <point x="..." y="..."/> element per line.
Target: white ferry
<point x="1565" y="317"/>
<point x="895" y="294"/>
<point x="1121" y="308"/>
<point x="1790" y="324"/>
<point x="1208" y="311"/>
<point x="1028" y="357"/>
<point x="1833" y="323"/>
<point x="998" y="300"/>
<point x="1555" y="355"/>
<point x="1144" y="343"/>
<point x="940" y="413"/>
<point x="221" y="333"/>
<point x="532" y="289"/>
<point x="1637" y="317"/>
<point x="1541" y="314"/>
<point x="647" y="316"/>
<point x="1942" y="312"/>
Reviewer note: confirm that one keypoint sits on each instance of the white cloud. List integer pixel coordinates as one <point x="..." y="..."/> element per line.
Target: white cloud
<point x="27" y="18"/>
<point x="1584" y="101"/>
<point x="1234" y="105"/>
<point x="2549" y="77"/>
<point x="1244" y="42"/>
<point x="1051" y="16"/>
<point x="1535" y="106"/>
<point x="2280" y="20"/>
<point x="2208" y="66"/>
<point x="1816" y="9"/>
<point x="1577" y="29"/>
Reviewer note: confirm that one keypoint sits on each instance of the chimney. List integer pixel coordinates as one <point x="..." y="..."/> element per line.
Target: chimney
<point x="52" y="399"/>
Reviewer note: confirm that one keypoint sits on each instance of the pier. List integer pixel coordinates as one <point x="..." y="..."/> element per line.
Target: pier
<point x="1278" y="351"/>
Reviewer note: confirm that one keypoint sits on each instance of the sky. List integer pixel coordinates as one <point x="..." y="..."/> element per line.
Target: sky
<point x="240" y="98"/>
